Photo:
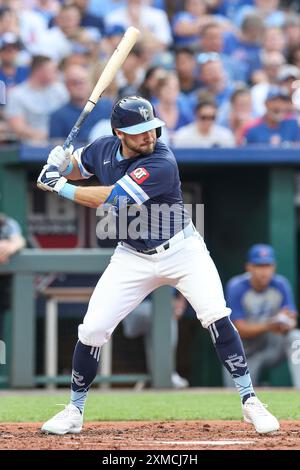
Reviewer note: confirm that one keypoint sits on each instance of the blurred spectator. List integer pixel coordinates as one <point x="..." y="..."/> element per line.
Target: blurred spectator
<point x="227" y="8"/>
<point x="148" y="88"/>
<point x="271" y="64"/>
<point x="268" y="10"/>
<point x="294" y="56"/>
<point x="264" y="312"/>
<point x="79" y="86"/>
<point x="88" y="19"/>
<point x="139" y="323"/>
<point x="60" y="41"/>
<point x="204" y="132"/>
<point x="291" y="28"/>
<point x="274" y="40"/>
<point x="212" y="40"/>
<point x="244" y="48"/>
<point x="288" y="79"/>
<point x="240" y="112"/>
<point x="10" y="73"/>
<point x="30" y="104"/>
<point x="187" y="24"/>
<point x="152" y="22"/>
<point x="8" y="21"/>
<point x="172" y="107"/>
<point x="131" y="76"/>
<point x="11" y="241"/>
<point x="31" y="24"/>
<point x="112" y="35"/>
<point x="274" y="128"/>
<point x="186" y="70"/>
<point x="214" y="80"/>
<point x="48" y="9"/>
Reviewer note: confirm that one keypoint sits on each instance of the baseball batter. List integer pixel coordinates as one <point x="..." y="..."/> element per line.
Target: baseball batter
<point x="139" y="180"/>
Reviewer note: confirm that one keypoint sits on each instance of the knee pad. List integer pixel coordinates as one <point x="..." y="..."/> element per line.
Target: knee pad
<point x="222" y="331"/>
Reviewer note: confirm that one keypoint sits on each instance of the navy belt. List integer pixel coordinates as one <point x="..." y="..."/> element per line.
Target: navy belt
<point x="188" y="231"/>
<point x="164" y="247"/>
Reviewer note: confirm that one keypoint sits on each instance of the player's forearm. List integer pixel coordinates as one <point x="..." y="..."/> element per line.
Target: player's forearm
<point x="92" y="196"/>
<point x="75" y="174"/>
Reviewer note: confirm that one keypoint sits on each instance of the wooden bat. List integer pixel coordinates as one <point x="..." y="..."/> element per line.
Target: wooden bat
<point x="115" y="62"/>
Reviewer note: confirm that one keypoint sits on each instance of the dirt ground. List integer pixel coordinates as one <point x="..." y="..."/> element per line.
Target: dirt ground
<point x="175" y="435"/>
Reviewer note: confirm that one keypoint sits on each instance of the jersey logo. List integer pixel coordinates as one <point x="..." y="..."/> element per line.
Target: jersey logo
<point x="144" y="112"/>
<point x="139" y="175"/>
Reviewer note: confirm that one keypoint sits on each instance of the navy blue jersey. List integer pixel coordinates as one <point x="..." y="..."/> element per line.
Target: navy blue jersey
<point x="151" y="183"/>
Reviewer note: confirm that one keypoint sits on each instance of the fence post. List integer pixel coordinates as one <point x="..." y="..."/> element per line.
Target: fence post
<point x="23" y="331"/>
<point x="162" y="350"/>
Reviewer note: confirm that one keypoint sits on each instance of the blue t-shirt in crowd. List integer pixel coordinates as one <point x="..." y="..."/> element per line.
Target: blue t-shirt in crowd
<point x="184" y="40"/>
<point x="260" y="133"/>
<point x="62" y="120"/>
<point x="246" y="55"/>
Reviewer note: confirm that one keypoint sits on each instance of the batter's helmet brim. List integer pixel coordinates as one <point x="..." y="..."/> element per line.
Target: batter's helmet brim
<point x="143" y="127"/>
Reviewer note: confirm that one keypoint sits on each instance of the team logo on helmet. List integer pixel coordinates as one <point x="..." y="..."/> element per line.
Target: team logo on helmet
<point x="144" y="112"/>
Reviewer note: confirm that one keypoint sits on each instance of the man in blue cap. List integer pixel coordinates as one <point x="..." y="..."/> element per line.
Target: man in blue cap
<point x="276" y="127"/>
<point x="264" y="312"/>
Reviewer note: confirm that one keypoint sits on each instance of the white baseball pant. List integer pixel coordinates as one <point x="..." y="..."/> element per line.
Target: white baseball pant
<point x="131" y="276"/>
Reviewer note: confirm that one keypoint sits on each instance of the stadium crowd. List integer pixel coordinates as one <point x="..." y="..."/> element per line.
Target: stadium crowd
<point x="219" y="72"/>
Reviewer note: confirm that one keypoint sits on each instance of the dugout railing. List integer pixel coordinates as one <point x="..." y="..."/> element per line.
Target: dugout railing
<point x="21" y="355"/>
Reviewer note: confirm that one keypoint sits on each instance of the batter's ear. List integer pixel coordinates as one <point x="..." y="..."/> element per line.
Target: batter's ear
<point x="118" y="133"/>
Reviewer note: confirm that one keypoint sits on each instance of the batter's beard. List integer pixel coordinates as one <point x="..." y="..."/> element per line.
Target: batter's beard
<point x="144" y="149"/>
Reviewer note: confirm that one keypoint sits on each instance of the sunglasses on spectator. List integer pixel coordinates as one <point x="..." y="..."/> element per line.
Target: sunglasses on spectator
<point x="207" y="117"/>
<point x="205" y="57"/>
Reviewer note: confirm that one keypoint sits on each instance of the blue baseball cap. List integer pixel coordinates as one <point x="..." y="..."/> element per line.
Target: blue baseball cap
<point x="261" y="254"/>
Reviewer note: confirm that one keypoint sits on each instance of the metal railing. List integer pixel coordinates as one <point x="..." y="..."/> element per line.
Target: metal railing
<point x="24" y="266"/>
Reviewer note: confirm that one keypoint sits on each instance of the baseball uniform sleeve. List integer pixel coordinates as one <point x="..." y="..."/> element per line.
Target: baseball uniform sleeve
<point x="149" y="180"/>
<point x="85" y="160"/>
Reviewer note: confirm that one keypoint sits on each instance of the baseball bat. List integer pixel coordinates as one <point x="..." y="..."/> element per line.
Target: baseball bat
<point x="115" y="62"/>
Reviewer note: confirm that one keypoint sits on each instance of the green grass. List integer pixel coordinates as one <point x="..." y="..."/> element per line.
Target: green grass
<point x="123" y="406"/>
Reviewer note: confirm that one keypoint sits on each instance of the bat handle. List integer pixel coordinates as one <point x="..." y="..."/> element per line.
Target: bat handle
<point x="71" y="137"/>
<point x="76" y="128"/>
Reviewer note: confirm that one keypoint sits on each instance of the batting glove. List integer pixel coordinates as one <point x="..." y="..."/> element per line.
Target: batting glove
<point x="50" y="179"/>
<point x="60" y="158"/>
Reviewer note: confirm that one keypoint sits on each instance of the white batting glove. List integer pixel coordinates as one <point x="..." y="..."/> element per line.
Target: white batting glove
<point x="60" y="158"/>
